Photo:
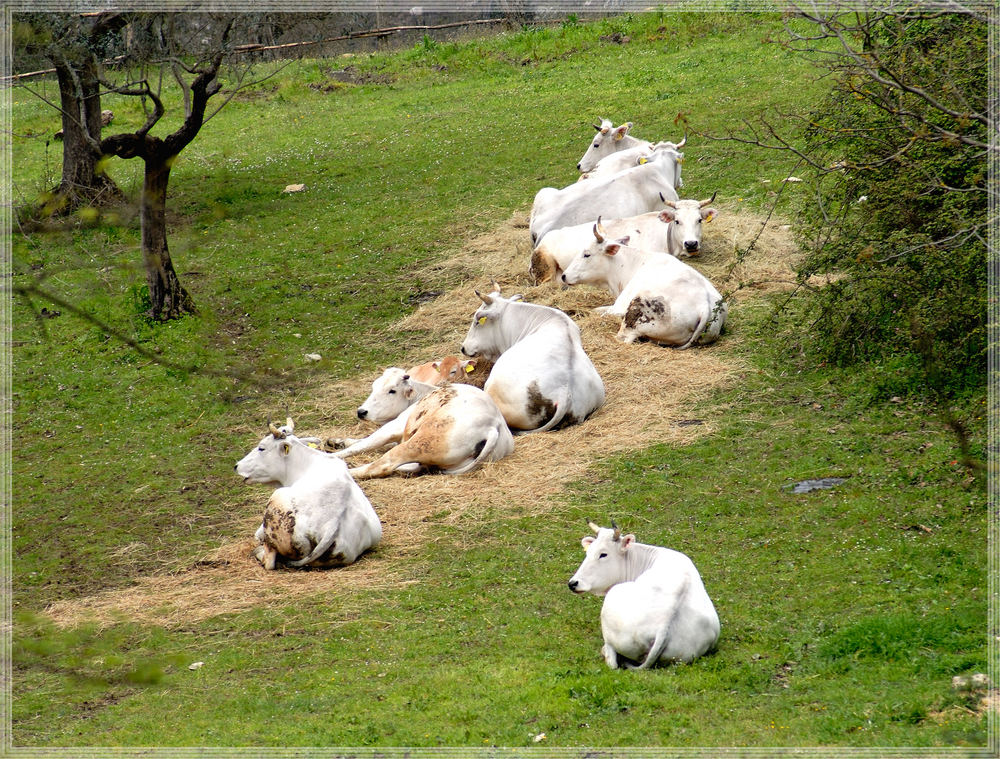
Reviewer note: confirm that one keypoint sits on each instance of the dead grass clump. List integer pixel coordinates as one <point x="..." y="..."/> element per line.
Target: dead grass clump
<point x="650" y="393"/>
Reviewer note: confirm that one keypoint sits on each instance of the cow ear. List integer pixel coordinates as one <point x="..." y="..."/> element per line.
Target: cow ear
<point x="666" y="216"/>
<point x="286" y="448"/>
<point x="627" y="540"/>
<point x="587" y="540"/>
<point x="612" y="248"/>
<point x="436" y="365"/>
<point x="622" y="131"/>
<point x="707" y="214"/>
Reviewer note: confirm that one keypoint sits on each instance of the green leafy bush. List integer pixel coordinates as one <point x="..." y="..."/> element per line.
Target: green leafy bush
<point x="899" y="228"/>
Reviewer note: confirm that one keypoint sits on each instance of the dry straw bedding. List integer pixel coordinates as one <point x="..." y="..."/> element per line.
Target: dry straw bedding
<point x="650" y="393"/>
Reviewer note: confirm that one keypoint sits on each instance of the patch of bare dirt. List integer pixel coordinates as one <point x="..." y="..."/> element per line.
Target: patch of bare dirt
<point x="650" y="392"/>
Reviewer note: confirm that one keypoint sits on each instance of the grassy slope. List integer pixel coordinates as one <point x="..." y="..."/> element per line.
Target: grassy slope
<point x="841" y="625"/>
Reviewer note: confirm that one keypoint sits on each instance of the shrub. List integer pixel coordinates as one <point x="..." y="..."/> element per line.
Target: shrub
<point x="901" y="213"/>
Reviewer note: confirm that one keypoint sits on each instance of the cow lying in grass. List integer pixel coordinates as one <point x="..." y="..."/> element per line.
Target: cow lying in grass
<point x="655" y="604"/>
<point x="319" y="516"/>
<point x="657" y="297"/>
<point x="453" y="428"/>
<point x="542" y="376"/>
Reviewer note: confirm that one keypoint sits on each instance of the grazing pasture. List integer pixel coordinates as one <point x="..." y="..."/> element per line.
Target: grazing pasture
<point x="140" y="617"/>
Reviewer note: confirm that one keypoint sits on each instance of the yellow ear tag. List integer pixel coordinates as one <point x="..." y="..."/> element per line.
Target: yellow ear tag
<point x="482" y="320"/>
<point x="312" y="445"/>
<point x="709" y="218"/>
<point x="643" y="160"/>
<point x="470" y="369"/>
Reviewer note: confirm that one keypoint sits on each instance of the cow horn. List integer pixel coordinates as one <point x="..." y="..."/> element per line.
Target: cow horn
<point x="593" y="526"/>
<point x="597" y="127"/>
<point x="598" y="230"/>
<point x="289" y="424"/>
<point x="682" y="142"/>
<point x="275" y="430"/>
<point x="704" y="203"/>
<point x="670" y="202"/>
<point x="618" y="532"/>
<point x="488" y="300"/>
<point x="495" y="285"/>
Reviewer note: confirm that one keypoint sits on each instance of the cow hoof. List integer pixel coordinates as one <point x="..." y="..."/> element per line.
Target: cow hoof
<point x="336" y="443"/>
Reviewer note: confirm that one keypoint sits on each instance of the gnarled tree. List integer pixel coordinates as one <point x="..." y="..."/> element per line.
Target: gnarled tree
<point x="199" y="82"/>
<point x="75" y="45"/>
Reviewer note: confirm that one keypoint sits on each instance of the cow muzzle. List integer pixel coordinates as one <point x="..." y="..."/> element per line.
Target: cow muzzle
<point x="574" y="585"/>
<point x="691" y="246"/>
<point x="362" y="413"/>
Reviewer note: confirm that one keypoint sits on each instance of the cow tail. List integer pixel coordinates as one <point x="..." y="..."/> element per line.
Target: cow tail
<point x="488" y="445"/>
<point x="702" y="324"/>
<point x="561" y="407"/>
<point x="322" y="547"/>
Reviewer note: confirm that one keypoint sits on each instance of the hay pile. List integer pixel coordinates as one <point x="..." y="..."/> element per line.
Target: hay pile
<point x="650" y="391"/>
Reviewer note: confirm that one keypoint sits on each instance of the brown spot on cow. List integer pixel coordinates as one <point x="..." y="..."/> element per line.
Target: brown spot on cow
<point x="542" y="267"/>
<point x="642" y="311"/>
<point x="279" y="526"/>
<point x="539" y="407"/>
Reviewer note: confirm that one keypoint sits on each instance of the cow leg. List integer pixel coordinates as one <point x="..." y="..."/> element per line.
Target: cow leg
<point x="266" y="555"/>
<point x="336" y="443"/>
<point x="627" y="335"/>
<point x="610" y="656"/>
<point x="383" y="467"/>
<point x="388" y="434"/>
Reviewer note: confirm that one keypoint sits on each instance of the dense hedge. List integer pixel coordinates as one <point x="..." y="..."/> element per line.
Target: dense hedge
<point x="901" y="217"/>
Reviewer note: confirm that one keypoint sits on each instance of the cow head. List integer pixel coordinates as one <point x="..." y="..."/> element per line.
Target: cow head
<point x="594" y="263"/>
<point x="267" y="463"/>
<point x="605" y="563"/>
<point x="486" y="336"/>
<point x="687" y="217"/>
<point x="391" y="395"/>
<point x="606" y="141"/>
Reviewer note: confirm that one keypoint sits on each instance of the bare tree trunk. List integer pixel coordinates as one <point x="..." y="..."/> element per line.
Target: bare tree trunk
<point x="168" y="298"/>
<point x="82" y="180"/>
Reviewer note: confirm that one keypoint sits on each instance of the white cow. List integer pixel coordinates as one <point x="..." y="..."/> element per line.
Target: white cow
<point x="318" y="516"/>
<point x="626" y="159"/>
<point x="542" y="376"/>
<point x="680" y="236"/>
<point x="608" y="140"/>
<point x="655" y="604"/>
<point x="657" y="296"/>
<point x="628" y="193"/>
<point x="453" y="428"/>
<point x="684" y="219"/>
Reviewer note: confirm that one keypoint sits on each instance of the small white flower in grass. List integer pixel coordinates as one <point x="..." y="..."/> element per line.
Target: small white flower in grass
<point x="196" y="665"/>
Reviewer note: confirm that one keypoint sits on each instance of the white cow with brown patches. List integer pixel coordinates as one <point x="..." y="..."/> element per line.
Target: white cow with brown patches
<point x="655" y="607"/>
<point x="319" y="516"/>
<point x="542" y="376"/>
<point x="657" y="297"/>
<point x="453" y="428"/>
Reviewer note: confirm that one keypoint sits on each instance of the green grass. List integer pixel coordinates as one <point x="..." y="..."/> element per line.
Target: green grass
<point x="842" y="624"/>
